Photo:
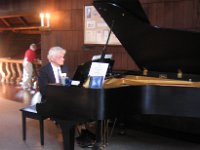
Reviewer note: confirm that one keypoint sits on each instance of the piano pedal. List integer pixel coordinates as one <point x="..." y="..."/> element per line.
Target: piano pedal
<point x="98" y="147"/>
<point x="122" y="132"/>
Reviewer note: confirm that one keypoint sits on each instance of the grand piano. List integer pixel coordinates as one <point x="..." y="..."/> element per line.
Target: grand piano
<point x="168" y="83"/>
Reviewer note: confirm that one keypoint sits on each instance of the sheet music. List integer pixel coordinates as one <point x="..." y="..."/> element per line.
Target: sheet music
<point x="98" y="69"/>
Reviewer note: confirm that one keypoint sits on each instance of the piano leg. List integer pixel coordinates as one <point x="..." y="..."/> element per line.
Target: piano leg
<point x="68" y="130"/>
<point x="101" y="135"/>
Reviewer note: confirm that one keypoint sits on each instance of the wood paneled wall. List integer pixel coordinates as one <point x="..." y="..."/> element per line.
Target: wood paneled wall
<point x="67" y="31"/>
<point x="67" y="25"/>
<point x="177" y="14"/>
<point x="14" y="45"/>
<point x="67" y="28"/>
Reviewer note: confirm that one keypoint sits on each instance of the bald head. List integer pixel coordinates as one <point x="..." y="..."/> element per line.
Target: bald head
<point x="33" y="47"/>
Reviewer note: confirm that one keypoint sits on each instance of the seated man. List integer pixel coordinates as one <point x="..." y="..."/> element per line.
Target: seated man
<point x="51" y="72"/>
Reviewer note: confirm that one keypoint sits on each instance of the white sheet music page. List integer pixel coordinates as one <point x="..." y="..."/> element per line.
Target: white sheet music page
<point x="98" y="69"/>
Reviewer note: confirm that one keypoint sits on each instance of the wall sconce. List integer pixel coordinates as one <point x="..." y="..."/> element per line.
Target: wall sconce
<point x="45" y="19"/>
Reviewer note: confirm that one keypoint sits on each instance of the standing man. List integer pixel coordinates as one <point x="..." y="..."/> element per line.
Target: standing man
<point x="51" y="72"/>
<point x="29" y="58"/>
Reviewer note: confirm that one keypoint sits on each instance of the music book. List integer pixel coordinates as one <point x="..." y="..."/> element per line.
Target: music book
<point x="96" y="82"/>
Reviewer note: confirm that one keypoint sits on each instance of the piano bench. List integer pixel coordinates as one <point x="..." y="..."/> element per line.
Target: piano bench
<point x="30" y="112"/>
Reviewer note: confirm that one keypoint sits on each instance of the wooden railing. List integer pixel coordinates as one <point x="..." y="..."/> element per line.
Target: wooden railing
<point x="11" y="70"/>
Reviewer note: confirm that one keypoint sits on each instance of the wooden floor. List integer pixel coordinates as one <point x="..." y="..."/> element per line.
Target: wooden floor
<point x="16" y="93"/>
<point x="12" y="98"/>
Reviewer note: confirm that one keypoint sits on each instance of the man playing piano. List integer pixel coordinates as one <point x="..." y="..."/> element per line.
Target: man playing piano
<point x="51" y="72"/>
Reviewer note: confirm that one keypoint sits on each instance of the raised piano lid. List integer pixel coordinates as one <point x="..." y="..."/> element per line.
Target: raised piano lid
<point x="157" y="49"/>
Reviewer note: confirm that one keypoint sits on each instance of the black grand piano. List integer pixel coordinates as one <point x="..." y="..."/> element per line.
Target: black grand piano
<point x="168" y="86"/>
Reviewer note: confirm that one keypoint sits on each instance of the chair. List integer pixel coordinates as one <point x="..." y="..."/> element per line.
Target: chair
<point x="30" y="112"/>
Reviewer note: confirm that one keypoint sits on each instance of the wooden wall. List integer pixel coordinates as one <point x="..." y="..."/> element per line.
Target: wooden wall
<point x="14" y="45"/>
<point x="67" y="28"/>
<point x="67" y="31"/>
<point x="177" y="14"/>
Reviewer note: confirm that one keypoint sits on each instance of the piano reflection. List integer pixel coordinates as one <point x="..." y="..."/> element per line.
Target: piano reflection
<point x="168" y="86"/>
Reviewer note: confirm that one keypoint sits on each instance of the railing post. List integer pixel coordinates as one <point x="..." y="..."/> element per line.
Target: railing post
<point x="13" y="77"/>
<point x="8" y="74"/>
<point x="19" y="71"/>
<point x="2" y="72"/>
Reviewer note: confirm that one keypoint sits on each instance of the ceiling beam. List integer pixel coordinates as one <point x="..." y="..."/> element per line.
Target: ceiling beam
<point x="21" y="28"/>
<point x="23" y="20"/>
<point x="28" y="31"/>
<point x="17" y="14"/>
<point x="5" y="22"/>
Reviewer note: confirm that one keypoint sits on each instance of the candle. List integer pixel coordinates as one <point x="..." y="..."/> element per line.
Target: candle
<point x="48" y="19"/>
<point x="42" y="19"/>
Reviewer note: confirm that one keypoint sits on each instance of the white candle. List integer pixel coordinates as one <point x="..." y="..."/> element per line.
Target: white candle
<point x="48" y="19"/>
<point x="42" y="19"/>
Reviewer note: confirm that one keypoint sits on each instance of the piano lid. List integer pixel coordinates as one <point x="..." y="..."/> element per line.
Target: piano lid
<point x="157" y="49"/>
